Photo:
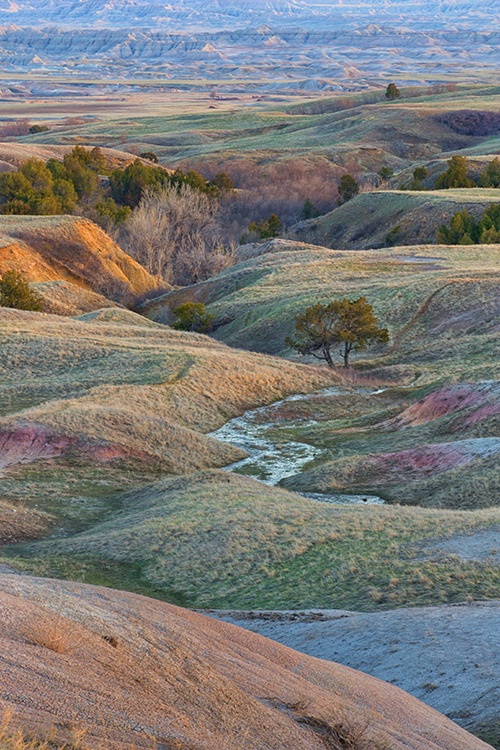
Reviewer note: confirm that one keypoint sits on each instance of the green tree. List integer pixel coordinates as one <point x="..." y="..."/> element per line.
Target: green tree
<point x="267" y="228"/>
<point x="385" y="173"/>
<point x="491" y="175"/>
<point x="15" y="292"/>
<point x="455" y="176"/>
<point x="348" y="324"/>
<point x="36" y="172"/>
<point x="463" y="230"/>
<point x="309" y="210"/>
<point x="192" y="316"/>
<point x="223" y="182"/>
<point x="392" y="92"/>
<point x="150" y="156"/>
<point x="39" y="129"/>
<point x="348" y="188"/>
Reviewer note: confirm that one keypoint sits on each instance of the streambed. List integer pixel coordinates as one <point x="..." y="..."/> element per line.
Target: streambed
<point x="271" y="462"/>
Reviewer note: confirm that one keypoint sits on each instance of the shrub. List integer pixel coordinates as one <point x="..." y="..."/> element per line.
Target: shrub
<point x="392" y="92"/>
<point x="192" y="316"/>
<point x="348" y="188"/>
<point x="455" y="176"/>
<point x="15" y="292"/>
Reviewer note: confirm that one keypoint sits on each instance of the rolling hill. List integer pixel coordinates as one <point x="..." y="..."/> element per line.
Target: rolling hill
<point x="75" y="251"/>
<point x="95" y="665"/>
<point x="391" y="217"/>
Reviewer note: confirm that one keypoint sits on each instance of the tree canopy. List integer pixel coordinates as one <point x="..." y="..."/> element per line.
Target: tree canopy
<point x="465" y="229"/>
<point x="15" y="292"/>
<point x="192" y="316"/>
<point x="455" y="176"/>
<point x="348" y="188"/>
<point x="347" y="324"/>
<point x="392" y="92"/>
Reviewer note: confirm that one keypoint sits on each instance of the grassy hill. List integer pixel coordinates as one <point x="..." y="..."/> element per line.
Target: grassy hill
<point x="419" y="292"/>
<point x="213" y="539"/>
<point x="139" y="673"/>
<point x="391" y="217"/>
<point x="441" y="307"/>
<point x="105" y="403"/>
<point x="74" y="250"/>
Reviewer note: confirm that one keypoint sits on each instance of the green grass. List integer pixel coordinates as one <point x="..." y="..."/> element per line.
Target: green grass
<point x="410" y="217"/>
<point x="261" y="296"/>
<point x="400" y="132"/>
<point x="219" y="540"/>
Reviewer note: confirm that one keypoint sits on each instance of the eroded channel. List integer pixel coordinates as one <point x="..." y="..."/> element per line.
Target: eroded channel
<point x="271" y="462"/>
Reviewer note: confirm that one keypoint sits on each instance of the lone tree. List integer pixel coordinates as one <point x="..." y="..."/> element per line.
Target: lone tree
<point x="392" y="92"/>
<point x="15" y="292"/>
<point x="349" y="324"/>
<point x="348" y="188"/>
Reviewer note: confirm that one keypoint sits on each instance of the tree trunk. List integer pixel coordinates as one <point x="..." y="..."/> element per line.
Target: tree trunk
<point x="328" y="357"/>
<point x="345" y="355"/>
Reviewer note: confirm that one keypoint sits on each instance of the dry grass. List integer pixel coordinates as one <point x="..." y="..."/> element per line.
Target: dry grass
<point x="72" y="249"/>
<point x="13" y="737"/>
<point x="412" y="217"/>
<point x="223" y="540"/>
<point x="20" y="523"/>
<point x="50" y="631"/>
<point x="418" y="292"/>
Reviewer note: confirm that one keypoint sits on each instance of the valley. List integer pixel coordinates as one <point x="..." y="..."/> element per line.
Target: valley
<point x="155" y="471"/>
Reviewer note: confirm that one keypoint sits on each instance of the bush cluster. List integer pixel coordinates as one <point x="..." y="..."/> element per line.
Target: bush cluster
<point x="465" y="229"/>
<point x="78" y="183"/>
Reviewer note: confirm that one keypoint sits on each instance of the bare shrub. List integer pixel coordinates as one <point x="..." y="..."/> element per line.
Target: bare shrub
<point x="15" y="128"/>
<point x="174" y="234"/>
<point x="282" y="187"/>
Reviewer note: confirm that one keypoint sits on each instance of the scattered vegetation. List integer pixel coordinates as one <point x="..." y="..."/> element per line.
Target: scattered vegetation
<point x="264" y="229"/>
<point x="348" y="188"/>
<point x="392" y="92"/>
<point x="192" y="316"/>
<point x="455" y="176"/>
<point x="348" y="324"/>
<point x="15" y="292"/>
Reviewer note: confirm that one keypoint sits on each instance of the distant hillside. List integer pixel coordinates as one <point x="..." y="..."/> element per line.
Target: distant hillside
<point x="391" y="217"/>
<point x="14" y="153"/>
<point x="70" y="249"/>
<point x="141" y="673"/>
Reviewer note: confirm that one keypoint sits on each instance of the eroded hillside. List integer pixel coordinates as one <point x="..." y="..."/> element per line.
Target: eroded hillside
<point x="201" y="683"/>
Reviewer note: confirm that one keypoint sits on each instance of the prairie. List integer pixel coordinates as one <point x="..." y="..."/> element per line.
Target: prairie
<point x="220" y="540"/>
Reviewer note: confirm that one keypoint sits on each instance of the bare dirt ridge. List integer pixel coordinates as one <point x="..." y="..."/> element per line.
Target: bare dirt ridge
<point x="445" y="655"/>
<point x="74" y="250"/>
<point x="118" y="668"/>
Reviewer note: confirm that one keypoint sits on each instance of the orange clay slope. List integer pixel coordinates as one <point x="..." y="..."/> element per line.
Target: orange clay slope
<point x="119" y="670"/>
<point x="71" y="249"/>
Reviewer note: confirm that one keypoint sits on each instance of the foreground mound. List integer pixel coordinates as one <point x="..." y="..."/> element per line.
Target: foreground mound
<point x="70" y="249"/>
<point x="391" y="217"/>
<point x="116" y="668"/>
<point x="457" y="677"/>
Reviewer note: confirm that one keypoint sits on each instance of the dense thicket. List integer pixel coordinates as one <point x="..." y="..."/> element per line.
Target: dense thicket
<point x="465" y="229"/>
